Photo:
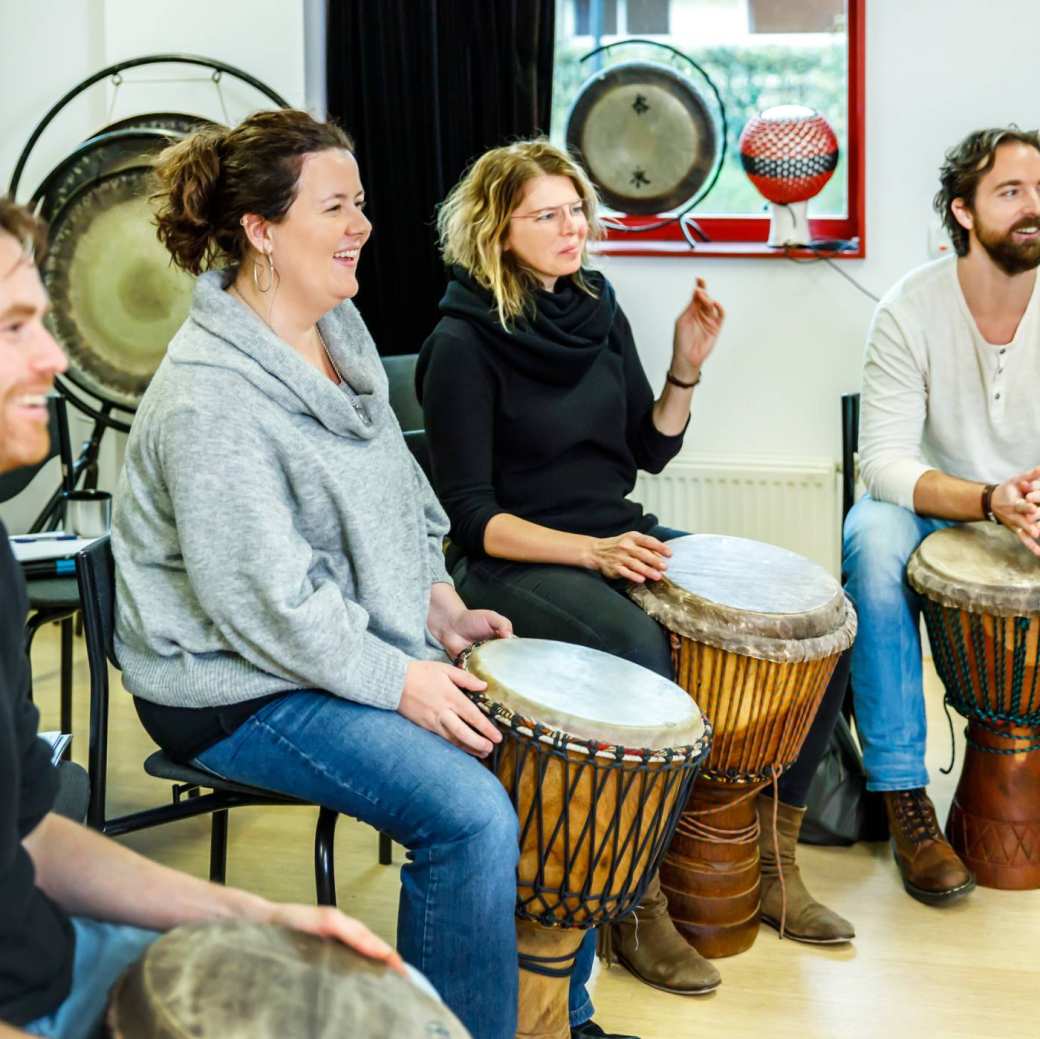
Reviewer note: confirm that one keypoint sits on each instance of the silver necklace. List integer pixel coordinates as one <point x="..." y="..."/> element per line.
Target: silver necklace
<point x="351" y="392"/>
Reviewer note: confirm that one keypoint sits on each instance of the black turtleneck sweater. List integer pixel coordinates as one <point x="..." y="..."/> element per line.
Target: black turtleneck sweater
<point x="548" y="421"/>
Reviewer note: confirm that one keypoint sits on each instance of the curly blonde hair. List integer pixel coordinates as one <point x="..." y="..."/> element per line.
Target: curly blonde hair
<point x="473" y="221"/>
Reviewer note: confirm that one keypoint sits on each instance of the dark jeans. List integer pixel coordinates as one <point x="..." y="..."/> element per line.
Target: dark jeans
<point x="568" y="604"/>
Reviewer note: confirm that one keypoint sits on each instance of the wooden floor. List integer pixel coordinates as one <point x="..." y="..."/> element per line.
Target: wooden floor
<point x="971" y="970"/>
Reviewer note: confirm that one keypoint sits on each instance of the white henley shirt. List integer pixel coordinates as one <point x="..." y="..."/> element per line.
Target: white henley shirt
<point x="936" y="395"/>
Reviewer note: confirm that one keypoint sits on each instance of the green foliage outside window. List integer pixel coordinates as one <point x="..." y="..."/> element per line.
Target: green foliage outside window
<point x="750" y="79"/>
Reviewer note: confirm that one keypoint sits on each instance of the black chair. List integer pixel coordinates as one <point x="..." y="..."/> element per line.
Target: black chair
<point x="400" y="373"/>
<point x="51" y="599"/>
<point x="849" y="447"/>
<point x="95" y="572"/>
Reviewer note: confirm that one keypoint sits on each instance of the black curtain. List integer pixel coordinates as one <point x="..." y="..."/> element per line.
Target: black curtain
<point x="424" y="87"/>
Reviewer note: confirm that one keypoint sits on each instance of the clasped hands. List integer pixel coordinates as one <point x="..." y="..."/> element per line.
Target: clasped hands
<point x="1016" y="503"/>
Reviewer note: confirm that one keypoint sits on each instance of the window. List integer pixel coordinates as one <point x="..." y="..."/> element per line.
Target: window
<point x="758" y="53"/>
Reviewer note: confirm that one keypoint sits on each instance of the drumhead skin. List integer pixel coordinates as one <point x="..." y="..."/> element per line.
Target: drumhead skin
<point x="587" y="694"/>
<point x="645" y="136"/>
<point x="978" y="567"/>
<point x="750" y="598"/>
<point x="234" y="980"/>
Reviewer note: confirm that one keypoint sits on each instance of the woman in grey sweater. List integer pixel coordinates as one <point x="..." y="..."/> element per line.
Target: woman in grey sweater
<point x="283" y="613"/>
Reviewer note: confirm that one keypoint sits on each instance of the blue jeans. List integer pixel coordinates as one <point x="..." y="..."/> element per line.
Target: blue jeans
<point x="886" y="657"/>
<point x="103" y="952"/>
<point x="458" y="888"/>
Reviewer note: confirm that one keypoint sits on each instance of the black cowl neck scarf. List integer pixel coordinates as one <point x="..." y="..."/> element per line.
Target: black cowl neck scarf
<point x="556" y="340"/>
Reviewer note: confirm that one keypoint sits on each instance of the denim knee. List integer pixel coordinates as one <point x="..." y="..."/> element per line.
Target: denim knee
<point x="878" y="541"/>
<point x="483" y="816"/>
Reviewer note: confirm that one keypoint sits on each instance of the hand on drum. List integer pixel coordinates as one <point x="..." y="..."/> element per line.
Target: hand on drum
<point x="1016" y="503"/>
<point x="432" y="700"/>
<point x="471" y="626"/>
<point x="327" y="922"/>
<point x="696" y="330"/>
<point x="633" y="556"/>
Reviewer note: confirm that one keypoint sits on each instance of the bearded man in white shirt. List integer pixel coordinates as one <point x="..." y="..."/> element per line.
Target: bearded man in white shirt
<point x="949" y="432"/>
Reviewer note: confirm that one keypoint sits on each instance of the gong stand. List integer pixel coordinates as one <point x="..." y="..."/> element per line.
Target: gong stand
<point x="687" y="224"/>
<point x="103" y="157"/>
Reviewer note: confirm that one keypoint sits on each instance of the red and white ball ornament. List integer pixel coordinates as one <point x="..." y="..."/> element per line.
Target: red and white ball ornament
<point x="789" y="153"/>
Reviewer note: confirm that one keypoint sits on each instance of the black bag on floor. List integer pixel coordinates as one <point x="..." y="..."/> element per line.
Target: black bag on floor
<point x="839" y="809"/>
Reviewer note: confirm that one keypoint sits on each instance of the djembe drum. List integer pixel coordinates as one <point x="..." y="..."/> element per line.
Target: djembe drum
<point x="981" y="590"/>
<point x="597" y="756"/>
<point x="756" y="634"/>
<point x="236" y="980"/>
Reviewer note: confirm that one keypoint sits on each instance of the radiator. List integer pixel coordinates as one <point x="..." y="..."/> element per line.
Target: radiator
<point x="794" y="503"/>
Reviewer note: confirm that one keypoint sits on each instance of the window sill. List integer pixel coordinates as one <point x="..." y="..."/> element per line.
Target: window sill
<point x="733" y="250"/>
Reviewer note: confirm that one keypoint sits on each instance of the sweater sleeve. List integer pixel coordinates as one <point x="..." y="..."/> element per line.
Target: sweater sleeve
<point x="249" y="567"/>
<point x="651" y="448"/>
<point x="459" y="411"/>
<point x="893" y="408"/>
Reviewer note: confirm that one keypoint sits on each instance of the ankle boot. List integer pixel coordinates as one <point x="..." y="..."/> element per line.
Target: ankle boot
<point x="805" y="920"/>
<point x="932" y="871"/>
<point x="647" y="944"/>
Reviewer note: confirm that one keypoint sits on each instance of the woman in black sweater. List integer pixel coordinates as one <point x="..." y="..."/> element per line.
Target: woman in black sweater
<point x="538" y="414"/>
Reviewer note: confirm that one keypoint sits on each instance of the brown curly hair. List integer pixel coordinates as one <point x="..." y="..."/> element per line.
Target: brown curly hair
<point x="211" y="179"/>
<point x="964" y="166"/>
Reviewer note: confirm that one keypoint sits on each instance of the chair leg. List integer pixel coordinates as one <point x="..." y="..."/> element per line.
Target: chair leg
<point x="218" y="847"/>
<point x="66" y="682"/>
<point x="386" y="850"/>
<point x="324" y="864"/>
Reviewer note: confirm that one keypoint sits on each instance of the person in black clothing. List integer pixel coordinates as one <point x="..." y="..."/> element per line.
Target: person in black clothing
<point x="538" y="415"/>
<point x="75" y="907"/>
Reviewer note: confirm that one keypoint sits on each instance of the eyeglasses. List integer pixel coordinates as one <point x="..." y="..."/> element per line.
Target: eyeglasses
<point x="555" y="214"/>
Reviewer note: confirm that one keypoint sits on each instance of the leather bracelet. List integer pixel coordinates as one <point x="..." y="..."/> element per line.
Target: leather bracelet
<point x="678" y="382"/>
<point x="987" y="503"/>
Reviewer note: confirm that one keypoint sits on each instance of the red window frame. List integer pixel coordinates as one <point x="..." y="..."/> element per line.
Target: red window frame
<point x="748" y="235"/>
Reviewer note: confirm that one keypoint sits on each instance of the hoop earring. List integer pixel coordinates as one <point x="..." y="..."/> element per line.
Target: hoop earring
<point x="270" y="275"/>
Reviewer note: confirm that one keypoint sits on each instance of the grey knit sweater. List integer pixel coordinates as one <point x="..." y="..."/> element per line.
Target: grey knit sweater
<point x="266" y="537"/>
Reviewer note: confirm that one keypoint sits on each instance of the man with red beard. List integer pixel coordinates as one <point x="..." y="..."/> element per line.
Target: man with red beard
<point x="950" y="432"/>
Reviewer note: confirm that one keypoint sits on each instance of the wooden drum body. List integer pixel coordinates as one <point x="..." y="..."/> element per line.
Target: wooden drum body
<point x="981" y="592"/>
<point x="756" y="634"/>
<point x="597" y="756"/>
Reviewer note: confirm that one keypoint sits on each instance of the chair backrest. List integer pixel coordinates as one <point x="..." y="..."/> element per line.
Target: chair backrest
<point x="400" y="372"/>
<point x="14" y="482"/>
<point x="849" y="447"/>
<point x="96" y="575"/>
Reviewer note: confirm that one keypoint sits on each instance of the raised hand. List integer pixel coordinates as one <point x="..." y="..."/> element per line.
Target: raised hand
<point x="696" y="331"/>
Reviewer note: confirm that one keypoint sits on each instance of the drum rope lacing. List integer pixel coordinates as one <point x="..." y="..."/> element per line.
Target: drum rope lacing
<point x="691" y="825"/>
<point x="961" y="680"/>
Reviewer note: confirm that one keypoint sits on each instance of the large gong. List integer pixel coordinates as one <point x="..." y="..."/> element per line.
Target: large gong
<point x="645" y="135"/>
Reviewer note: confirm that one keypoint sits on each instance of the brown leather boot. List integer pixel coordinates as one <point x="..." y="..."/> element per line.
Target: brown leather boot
<point x="805" y="920"/>
<point x="932" y="872"/>
<point x="647" y="944"/>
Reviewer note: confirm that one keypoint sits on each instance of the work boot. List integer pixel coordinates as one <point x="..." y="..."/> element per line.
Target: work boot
<point x="932" y="871"/>
<point x="647" y="944"/>
<point x="805" y="919"/>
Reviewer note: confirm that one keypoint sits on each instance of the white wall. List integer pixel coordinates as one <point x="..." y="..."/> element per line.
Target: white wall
<point x="794" y="336"/>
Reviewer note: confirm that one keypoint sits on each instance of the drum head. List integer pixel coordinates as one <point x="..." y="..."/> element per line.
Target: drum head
<point x="751" y="598"/>
<point x="587" y="694"/>
<point x="117" y="300"/>
<point x="645" y="136"/>
<point x="978" y="567"/>
<point x="233" y="980"/>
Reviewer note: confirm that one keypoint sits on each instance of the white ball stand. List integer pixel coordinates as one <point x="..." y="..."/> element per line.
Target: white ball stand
<point x="789" y="224"/>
